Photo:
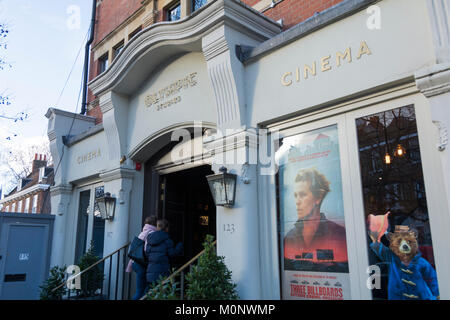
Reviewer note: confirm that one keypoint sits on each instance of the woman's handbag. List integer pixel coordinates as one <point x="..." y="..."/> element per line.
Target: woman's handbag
<point x="136" y="251"/>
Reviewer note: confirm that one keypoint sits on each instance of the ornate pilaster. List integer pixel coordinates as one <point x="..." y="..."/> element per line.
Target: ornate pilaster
<point x="225" y="70"/>
<point x="439" y="13"/>
<point x="118" y="182"/>
<point x="60" y="200"/>
<point x="434" y="83"/>
<point x="237" y="227"/>
<point x="115" y="123"/>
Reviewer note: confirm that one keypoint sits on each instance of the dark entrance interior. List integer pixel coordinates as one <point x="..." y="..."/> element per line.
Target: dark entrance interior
<point x="186" y="202"/>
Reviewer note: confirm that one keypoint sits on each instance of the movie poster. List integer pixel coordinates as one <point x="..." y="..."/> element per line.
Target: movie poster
<point x="315" y="262"/>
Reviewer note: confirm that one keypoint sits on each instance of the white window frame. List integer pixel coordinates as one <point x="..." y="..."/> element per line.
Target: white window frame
<point x="344" y="115"/>
<point x="35" y="202"/>
<point x="27" y="205"/>
<point x="90" y="227"/>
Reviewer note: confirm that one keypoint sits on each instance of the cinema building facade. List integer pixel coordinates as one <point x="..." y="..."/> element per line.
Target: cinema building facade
<point x="355" y="96"/>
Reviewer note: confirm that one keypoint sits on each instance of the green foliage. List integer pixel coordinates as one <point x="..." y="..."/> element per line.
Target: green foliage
<point x="210" y="279"/>
<point x="166" y="291"/>
<point x="56" y="278"/>
<point x="92" y="279"/>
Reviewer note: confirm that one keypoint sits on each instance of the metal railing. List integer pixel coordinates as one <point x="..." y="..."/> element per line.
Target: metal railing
<point x="122" y="278"/>
<point x="181" y="272"/>
<point x="116" y="263"/>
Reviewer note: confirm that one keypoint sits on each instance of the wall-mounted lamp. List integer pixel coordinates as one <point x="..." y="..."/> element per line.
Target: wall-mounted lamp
<point x="107" y="206"/>
<point x="223" y="187"/>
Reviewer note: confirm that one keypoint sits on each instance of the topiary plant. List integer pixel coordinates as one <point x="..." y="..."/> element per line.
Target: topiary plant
<point x="56" y="278"/>
<point x="92" y="280"/>
<point x="210" y="279"/>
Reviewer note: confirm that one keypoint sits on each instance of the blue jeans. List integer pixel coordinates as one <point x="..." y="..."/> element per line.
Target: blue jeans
<point x="141" y="281"/>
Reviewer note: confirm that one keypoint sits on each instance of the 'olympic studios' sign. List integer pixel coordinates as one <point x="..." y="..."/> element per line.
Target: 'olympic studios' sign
<point x="167" y="96"/>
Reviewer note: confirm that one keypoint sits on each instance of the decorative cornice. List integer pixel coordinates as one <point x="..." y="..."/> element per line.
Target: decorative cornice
<point x="217" y="144"/>
<point x="116" y="174"/>
<point x="106" y="103"/>
<point x="434" y="80"/>
<point x="80" y="137"/>
<point x="25" y="193"/>
<point x="68" y="114"/>
<point x="62" y="189"/>
<point x="215" y="48"/>
<point x="186" y="31"/>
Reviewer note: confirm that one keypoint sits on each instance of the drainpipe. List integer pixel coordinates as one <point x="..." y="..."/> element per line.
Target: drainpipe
<point x="86" y="58"/>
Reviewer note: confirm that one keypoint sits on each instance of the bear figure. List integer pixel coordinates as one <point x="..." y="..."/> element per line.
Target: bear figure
<point x="410" y="275"/>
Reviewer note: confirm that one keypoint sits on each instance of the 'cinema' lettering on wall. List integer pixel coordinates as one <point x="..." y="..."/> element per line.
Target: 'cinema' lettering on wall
<point x="89" y="156"/>
<point x="324" y="64"/>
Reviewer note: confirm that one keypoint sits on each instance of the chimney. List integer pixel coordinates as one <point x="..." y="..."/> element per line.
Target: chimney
<point x="38" y="163"/>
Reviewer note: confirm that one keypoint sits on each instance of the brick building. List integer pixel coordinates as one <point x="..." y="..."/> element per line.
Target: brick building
<point x="119" y="21"/>
<point x="336" y="101"/>
<point x="32" y="194"/>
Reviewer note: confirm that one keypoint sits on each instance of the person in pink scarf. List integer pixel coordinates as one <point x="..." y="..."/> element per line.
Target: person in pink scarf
<point x="141" y="281"/>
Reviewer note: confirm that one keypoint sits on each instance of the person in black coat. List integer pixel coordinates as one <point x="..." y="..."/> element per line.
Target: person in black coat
<point x="159" y="249"/>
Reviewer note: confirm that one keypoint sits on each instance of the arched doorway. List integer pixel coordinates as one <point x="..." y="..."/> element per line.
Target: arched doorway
<point x="180" y="194"/>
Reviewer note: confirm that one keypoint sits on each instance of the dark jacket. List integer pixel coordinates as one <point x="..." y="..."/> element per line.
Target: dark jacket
<point x="160" y="247"/>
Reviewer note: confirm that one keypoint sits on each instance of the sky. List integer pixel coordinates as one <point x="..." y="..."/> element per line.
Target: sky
<point x="44" y="39"/>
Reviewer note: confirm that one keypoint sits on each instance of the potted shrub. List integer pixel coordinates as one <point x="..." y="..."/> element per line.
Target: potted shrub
<point x="92" y="280"/>
<point x="210" y="279"/>
<point x="56" y="278"/>
<point x="163" y="291"/>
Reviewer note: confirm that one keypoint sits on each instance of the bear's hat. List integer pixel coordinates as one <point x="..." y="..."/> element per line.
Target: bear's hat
<point x="401" y="229"/>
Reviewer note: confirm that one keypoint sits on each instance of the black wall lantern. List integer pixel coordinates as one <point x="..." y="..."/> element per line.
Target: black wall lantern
<point x="107" y="206"/>
<point x="223" y="187"/>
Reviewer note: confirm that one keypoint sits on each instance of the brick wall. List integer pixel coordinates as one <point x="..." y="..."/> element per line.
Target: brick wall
<point x="295" y="11"/>
<point x="97" y="113"/>
<point x="111" y="13"/>
<point x="43" y="204"/>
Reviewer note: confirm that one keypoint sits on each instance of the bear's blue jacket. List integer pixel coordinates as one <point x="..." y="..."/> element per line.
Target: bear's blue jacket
<point x="416" y="281"/>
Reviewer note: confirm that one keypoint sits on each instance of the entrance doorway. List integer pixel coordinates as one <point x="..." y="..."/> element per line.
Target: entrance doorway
<point x="186" y="202"/>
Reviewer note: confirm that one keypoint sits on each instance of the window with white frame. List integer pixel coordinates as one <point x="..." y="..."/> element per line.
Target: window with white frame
<point x="322" y="200"/>
<point x="19" y="206"/>
<point x="35" y="200"/>
<point x="13" y="207"/>
<point x="174" y="12"/>
<point x="103" y="63"/>
<point x="197" y="4"/>
<point x="27" y="205"/>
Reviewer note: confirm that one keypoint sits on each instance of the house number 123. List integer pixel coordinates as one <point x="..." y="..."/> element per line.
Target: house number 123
<point x="227" y="227"/>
